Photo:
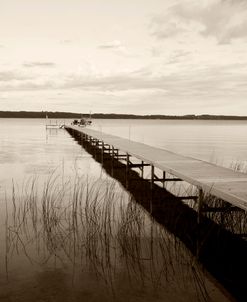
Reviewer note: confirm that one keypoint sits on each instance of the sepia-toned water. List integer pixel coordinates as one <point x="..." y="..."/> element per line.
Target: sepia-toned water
<point x="26" y="148"/>
<point x="221" y="142"/>
<point x="34" y="268"/>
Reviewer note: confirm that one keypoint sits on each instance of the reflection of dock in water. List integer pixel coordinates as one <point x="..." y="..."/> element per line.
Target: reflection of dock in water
<point x="222" y="250"/>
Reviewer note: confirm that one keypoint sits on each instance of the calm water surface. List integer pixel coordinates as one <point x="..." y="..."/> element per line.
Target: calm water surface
<point x="221" y="142"/>
<point x="26" y="148"/>
<point x="28" y="151"/>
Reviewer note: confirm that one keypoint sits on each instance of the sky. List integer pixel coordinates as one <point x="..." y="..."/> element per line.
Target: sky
<point x="170" y="57"/>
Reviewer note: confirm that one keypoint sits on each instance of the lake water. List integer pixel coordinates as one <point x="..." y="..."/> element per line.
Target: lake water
<point x="221" y="142"/>
<point x="28" y="151"/>
<point x="26" y="148"/>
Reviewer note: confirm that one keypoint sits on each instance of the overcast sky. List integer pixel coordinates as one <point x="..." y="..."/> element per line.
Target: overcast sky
<point x="124" y="56"/>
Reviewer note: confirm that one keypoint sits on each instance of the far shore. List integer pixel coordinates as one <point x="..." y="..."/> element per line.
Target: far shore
<point x="71" y="115"/>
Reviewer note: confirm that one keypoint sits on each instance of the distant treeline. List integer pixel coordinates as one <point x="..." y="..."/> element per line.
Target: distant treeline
<point x="71" y="115"/>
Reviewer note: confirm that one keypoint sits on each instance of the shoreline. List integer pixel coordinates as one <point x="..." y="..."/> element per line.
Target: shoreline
<point x="71" y="115"/>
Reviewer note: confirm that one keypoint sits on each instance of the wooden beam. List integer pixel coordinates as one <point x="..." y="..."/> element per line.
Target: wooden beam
<point x="138" y="165"/>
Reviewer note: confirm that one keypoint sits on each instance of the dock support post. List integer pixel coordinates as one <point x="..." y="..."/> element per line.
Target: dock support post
<point x="142" y="169"/>
<point x="117" y="154"/>
<point x="112" y="160"/>
<point x="151" y="187"/>
<point x="81" y="139"/>
<point x="96" y="147"/>
<point x="102" y="152"/>
<point x="127" y="170"/>
<point x="200" y="204"/>
<point x="164" y="177"/>
<point x="199" y="219"/>
<point x="152" y="177"/>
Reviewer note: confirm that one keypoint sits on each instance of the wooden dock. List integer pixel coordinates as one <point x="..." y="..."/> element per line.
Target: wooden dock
<point x="220" y="182"/>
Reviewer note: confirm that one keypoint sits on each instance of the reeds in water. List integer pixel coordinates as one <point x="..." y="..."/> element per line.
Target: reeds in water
<point x="95" y="226"/>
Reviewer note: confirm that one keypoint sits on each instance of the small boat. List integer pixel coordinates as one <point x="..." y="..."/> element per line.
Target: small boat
<point x="81" y="122"/>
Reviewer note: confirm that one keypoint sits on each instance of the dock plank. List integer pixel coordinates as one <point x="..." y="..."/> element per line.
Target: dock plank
<point x="221" y="182"/>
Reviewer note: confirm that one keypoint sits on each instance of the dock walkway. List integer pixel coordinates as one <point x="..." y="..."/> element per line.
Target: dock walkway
<point x="220" y="182"/>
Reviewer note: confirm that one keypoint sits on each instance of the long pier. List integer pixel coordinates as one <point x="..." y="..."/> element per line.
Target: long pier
<point x="223" y="183"/>
<point x="219" y="248"/>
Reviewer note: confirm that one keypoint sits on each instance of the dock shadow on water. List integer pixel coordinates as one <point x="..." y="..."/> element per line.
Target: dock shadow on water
<point x="214" y="243"/>
<point x="84" y="240"/>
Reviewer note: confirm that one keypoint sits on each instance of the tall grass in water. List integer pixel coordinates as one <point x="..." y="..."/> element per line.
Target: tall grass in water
<point x="91" y="225"/>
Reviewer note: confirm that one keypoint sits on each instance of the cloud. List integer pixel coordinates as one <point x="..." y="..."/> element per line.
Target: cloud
<point x="224" y="20"/>
<point x="116" y="44"/>
<point x="203" y="85"/>
<point x="39" y="64"/>
<point x="29" y="86"/>
<point x="202" y="90"/>
<point x="66" y="41"/>
<point x="208" y="82"/>
<point x="7" y="76"/>
<point x="117" y="47"/>
<point x="178" y="56"/>
<point x="17" y="80"/>
<point x="115" y="82"/>
<point x="166" y="26"/>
